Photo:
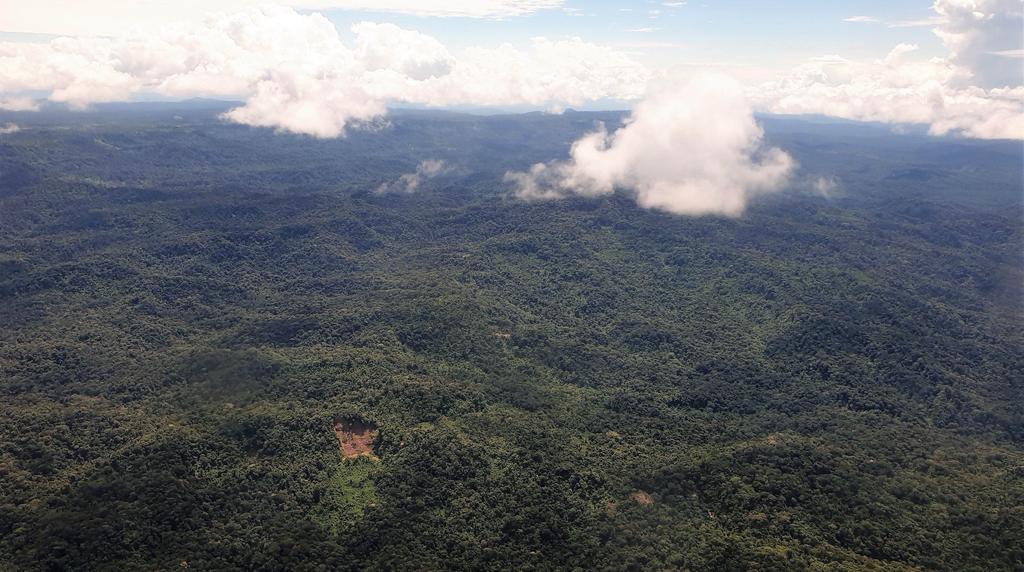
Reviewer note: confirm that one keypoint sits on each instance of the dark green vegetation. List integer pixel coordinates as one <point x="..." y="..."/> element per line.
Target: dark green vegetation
<point x="829" y="383"/>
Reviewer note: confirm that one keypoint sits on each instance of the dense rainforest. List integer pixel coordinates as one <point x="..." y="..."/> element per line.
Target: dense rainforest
<point x="192" y="311"/>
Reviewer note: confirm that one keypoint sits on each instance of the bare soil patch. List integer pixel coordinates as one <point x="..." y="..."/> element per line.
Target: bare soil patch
<point x="642" y="497"/>
<point x="355" y="438"/>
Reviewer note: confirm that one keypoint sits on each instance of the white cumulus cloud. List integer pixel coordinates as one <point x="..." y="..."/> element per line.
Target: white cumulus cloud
<point x="549" y="73"/>
<point x="975" y="91"/>
<point x="897" y="89"/>
<point x="296" y="73"/>
<point x="690" y="147"/>
<point x="407" y="52"/>
<point x="977" y="31"/>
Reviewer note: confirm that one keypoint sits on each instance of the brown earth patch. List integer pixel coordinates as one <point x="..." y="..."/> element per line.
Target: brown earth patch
<point x="642" y="497"/>
<point x="611" y="508"/>
<point x="355" y="438"/>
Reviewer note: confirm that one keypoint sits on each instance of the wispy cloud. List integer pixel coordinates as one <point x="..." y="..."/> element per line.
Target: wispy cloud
<point x="642" y="30"/>
<point x="112" y="17"/>
<point x="1009" y="53"/>
<point x="918" y="23"/>
<point x="18" y="103"/>
<point x="651" y="45"/>
<point x="444" y="8"/>
<point x="824" y="185"/>
<point x="410" y="182"/>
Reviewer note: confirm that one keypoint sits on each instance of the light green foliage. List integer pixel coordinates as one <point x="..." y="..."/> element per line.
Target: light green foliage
<point x="349" y="492"/>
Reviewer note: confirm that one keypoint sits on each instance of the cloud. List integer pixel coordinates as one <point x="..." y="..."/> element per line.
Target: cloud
<point x="9" y="128"/>
<point x="410" y="182"/>
<point x="318" y="106"/>
<point x="1009" y="53"/>
<point x="976" y="91"/>
<point x="75" y="71"/>
<point x="651" y="45"/>
<point x="295" y="72"/>
<point x="979" y="34"/>
<point x="407" y="52"/>
<point x="113" y="17"/>
<point x="824" y="185"/>
<point x="549" y="73"/>
<point x="896" y="90"/>
<point x="974" y="31"/>
<point x="688" y="148"/>
<point x="861" y="19"/>
<point x="18" y="104"/>
<point x="919" y="23"/>
<point x="494" y="9"/>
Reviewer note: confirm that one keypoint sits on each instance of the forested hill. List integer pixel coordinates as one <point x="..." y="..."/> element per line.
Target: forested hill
<point x="204" y="326"/>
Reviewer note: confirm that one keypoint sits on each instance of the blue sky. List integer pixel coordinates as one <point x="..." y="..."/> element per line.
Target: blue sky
<point x="761" y="33"/>
<point x="765" y="33"/>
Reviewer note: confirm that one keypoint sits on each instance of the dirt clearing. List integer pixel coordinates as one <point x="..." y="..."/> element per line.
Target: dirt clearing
<point x="355" y="438"/>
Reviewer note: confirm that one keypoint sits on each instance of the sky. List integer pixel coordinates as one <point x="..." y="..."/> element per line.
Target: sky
<point x="754" y="33"/>
<point x="321" y="66"/>
<point x="693" y="75"/>
<point x="749" y="32"/>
